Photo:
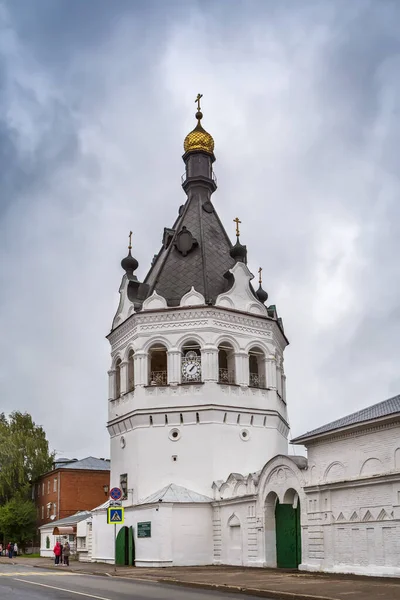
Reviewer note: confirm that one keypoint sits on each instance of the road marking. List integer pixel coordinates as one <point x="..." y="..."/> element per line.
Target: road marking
<point x="41" y="574"/>
<point x="62" y="589"/>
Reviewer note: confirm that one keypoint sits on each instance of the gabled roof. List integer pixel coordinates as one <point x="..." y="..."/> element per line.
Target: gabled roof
<point x="71" y="520"/>
<point x="174" y="272"/>
<point x="177" y="494"/>
<point x="89" y="463"/>
<point x="376" y="411"/>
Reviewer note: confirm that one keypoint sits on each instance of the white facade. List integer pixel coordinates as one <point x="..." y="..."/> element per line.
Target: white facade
<point x="198" y="422"/>
<point x="353" y="501"/>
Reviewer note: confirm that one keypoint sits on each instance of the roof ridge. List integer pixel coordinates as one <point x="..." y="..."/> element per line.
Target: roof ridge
<point x="368" y="412"/>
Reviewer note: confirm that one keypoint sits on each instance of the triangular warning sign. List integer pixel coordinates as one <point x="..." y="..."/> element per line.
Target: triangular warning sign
<point x="115" y="516"/>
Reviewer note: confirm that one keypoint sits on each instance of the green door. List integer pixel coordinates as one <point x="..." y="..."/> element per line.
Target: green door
<point x="131" y="560"/>
<point x="125" y="547"/>
<point x="122" y="547"/>
<point x="288" y="536"/>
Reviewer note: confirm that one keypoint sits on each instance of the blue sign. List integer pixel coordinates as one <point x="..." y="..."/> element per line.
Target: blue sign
<point x="115" y="515"/>
<point x="116" y="493"/>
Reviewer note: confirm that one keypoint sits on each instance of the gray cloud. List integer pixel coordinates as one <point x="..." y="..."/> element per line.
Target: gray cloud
<point x="302" y="100"/>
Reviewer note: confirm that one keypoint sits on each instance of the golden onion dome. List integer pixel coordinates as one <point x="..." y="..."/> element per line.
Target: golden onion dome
<point x="199" y="140"/>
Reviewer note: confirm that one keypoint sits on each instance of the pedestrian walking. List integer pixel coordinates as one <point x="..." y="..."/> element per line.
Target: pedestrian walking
<point x="67" y="552"/>
<point x="15" y="549"/>
<point x="10" y="549"/>
<point x="57" y="553"/>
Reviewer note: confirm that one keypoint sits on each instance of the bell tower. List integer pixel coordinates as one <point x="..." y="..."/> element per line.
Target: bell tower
<point x="196" y="384"/>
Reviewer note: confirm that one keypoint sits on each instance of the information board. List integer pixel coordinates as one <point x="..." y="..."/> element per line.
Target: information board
<point x="144" y="529"/>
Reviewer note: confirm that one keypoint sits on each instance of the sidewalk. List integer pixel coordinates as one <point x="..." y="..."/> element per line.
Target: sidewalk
<point x="289" y="585"/>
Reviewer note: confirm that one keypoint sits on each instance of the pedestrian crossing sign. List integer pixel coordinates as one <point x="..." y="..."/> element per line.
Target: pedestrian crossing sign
<point x="115" y="515"/>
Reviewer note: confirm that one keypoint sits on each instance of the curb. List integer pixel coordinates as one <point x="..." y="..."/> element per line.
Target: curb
<point x="279" y="595"/>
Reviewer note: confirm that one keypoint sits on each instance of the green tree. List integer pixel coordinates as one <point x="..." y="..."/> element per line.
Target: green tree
<point x="24" y="455"/>
<point x="18" y="521"/>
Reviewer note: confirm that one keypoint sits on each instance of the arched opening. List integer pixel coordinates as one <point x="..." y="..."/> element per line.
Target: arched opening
<point x="131" y="371"/>
<point x="288" y="531"/>
<point x="125" y="547"/>
<point x="235" y="541"/>
<point x="158" y="372"/>
<point x="118" y="378"/>
<point x="226" y="363"/>
<point x="191" y="362"/>
<point x="257" y="368"/>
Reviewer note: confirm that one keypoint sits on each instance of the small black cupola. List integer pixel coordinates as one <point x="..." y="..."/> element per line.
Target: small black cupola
<point x="129" y="263"/>
<point x="238" y="252"/>
<point x="261" y="294"/>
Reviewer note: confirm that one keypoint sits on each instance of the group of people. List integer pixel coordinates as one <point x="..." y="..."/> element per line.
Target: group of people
<point x="61" y="553"/>
<point x="10" y="550"/>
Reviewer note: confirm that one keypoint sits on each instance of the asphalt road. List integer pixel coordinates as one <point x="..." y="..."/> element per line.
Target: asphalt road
<point x="26" y="583"/>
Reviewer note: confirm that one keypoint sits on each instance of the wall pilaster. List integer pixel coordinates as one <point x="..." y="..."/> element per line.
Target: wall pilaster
<point x="141" y="368"/>
<point x="209" y="363"/>
<point x="241" y="368"/>
<point x="111" y="384"/>
<point x="124" y="377"/>
<point x="270" y="371"/>
<point x="174" y="366"/>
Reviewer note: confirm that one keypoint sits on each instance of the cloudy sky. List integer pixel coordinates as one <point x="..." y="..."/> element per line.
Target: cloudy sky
<point x="302" y="98"/>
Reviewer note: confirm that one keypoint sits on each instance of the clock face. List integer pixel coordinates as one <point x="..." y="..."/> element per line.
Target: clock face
<point x="191" y="369"/>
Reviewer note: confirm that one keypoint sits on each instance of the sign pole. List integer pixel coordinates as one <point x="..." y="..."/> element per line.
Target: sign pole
<point x="115" y="547"/>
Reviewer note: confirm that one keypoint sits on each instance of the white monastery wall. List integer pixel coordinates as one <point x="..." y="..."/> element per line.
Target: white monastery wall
<point x="358" y="454"/>
<point x="353" y="503"/>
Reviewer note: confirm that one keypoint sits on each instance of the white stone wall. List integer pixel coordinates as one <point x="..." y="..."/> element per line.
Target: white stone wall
<point x="181" y="535"/>
<point x="244" y="513"/>
<point x="353" y="503"/>
<point x="251" y="423"/>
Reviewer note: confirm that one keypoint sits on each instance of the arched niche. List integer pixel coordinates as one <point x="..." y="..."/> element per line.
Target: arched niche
<point x="158" y="365"/>
<point x="226" y="363"/>
<point x="257" y="367"/>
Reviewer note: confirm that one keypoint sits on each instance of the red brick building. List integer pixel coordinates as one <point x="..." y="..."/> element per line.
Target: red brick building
<point x="73" y="485"/>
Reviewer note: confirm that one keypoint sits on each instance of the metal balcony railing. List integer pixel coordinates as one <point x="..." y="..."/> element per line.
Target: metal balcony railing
<point x="226" y="376"/>
<point x="256" y="380"/>
<point x="185" y="177"/>
<point x="158" y="378"/>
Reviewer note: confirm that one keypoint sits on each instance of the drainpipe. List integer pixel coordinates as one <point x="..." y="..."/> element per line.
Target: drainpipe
<point x="58" y="494"/>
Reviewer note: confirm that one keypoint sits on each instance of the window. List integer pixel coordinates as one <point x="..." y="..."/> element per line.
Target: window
<point x="123" y="484"/>
<point x="48" y="510"/>
<point x="158" y="374"/>
<point x="191" y="362"/>
<point x="256" y="368"/>
<point x="226" y="364"/>
<point x="71" y="539"/>
<point x="43" y="488"/>
<point x="42" y="512"/>
<point x="118" y="378"/>
<point x="48" y="486"/>
<point x="55" y="509"/>
<point x="38" y="490"/>
<point x="131" y="371"/>
<point x="55" y="484"/>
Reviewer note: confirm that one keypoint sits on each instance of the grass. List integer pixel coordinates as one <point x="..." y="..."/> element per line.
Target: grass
<point x="29" y="555"/>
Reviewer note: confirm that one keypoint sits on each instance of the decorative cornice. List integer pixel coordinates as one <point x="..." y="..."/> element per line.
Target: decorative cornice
<point x="224" y="317"/>
<point x="357" y="481"/>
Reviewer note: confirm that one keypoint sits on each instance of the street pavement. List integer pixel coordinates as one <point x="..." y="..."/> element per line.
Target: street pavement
<point x="24" y="583"/>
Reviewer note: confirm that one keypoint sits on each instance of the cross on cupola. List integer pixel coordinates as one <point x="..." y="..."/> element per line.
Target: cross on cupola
<point x="238" y="251"/>
<point x="261" y="294"/>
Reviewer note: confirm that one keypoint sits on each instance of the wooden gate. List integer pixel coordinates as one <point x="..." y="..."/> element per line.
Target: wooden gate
<point x="288" y="536"/>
